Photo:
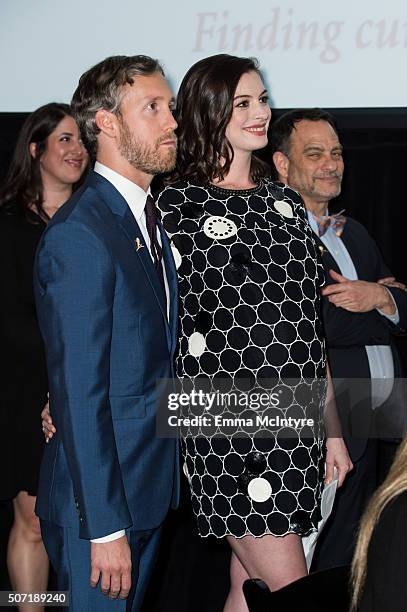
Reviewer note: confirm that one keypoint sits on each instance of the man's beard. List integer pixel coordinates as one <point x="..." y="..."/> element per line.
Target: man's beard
<point x="151" y="160"/>
<point x="334" y="192"/>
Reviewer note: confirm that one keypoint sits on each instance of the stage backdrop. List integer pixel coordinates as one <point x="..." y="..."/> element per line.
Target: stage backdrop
<point x="313" y="52"/>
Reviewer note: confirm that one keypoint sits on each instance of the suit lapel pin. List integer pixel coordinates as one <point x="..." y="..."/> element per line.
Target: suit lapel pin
<point x="138" y="245"/>
<point x="322" y="250"/>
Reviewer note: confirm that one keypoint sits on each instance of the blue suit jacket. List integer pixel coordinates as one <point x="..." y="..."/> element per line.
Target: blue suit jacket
<point x="107" y="338"/>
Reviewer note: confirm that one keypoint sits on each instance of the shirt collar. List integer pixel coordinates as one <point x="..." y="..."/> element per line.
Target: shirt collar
<point x="313" y="222"/>
<point x="134" y="195"/>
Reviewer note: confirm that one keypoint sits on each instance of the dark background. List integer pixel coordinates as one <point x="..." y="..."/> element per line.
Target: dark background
<point x="375" y="142"/>
<point x="192" y="573"/>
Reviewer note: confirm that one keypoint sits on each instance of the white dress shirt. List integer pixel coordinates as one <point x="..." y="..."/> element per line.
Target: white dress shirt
<point x="135" y="197"/>
<point x="380" y="358"/>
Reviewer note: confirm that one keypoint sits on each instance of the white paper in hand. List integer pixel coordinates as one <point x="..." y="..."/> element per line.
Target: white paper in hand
<point x="327" y="502"/>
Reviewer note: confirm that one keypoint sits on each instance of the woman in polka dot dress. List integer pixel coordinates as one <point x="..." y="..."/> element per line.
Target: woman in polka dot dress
<point x="249" y="283"/>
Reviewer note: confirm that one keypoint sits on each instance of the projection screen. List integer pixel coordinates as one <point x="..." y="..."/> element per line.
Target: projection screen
<point x="312" y="52"/>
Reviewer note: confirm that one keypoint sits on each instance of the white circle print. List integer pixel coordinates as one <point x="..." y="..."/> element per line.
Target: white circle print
<point x="259" y="489"/>
<point x="219" y="228"/>
<point x="284" y="208"/>
<point x="176" y="255"/>
<point x="196" y="344"/>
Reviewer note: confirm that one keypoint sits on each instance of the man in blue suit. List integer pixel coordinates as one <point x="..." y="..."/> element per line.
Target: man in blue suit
<point x="106" y="294"/>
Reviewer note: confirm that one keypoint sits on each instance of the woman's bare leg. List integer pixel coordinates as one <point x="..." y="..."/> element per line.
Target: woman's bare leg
<point x="236" y="601"/>
<point x="27" y="559"/>
<point x="276" y="561"/>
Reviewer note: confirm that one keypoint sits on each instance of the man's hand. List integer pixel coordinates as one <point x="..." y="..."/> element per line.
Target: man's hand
<point x="357" y="295"/>
<point x="390" y="281"/>
<point x="47" y="426"/>
<point x="111" y="562"/>
<point x="337" y="456"/>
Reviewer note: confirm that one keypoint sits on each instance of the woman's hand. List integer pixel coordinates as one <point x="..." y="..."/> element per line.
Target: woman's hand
<point x="47" y="426"/>
<point x="337" y="456"/>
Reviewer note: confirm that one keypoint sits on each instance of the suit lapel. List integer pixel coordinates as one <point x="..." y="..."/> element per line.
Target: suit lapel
<point x="354" y="247"/>
<point x="119" y="207"/>
<point x="132" y="230"/>
<point x="326" y="256"/>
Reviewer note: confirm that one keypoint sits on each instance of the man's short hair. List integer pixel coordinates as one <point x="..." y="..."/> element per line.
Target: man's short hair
<point x="283" y="127"/>
<point x="101" y="87"/>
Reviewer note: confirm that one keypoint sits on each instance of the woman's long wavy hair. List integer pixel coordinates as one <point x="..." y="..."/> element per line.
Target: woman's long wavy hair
<point x="23" y="187"/>
<point x="395" y="483"/>
<point x="204" y="109"/>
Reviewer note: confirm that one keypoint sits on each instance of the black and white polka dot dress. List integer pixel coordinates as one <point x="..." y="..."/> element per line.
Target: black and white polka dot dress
<point x="249" y="281"/>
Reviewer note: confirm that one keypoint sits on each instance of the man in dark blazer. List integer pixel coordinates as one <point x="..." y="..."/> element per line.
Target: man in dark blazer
<point x="106" y="293"/>
<point x="363" y="306"/>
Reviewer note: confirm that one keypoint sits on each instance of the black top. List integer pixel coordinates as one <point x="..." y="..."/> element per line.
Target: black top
<point x="23" y="389"/>
<point x="386" y="583"/>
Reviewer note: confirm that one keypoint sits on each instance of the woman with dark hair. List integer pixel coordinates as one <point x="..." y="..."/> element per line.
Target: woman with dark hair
<point x="249" y="279"/>
<point x="48" y="162"/>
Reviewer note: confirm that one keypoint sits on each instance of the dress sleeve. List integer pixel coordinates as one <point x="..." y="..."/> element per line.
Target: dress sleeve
<point x="19" y="326"/>
<point x="300" y="209"/>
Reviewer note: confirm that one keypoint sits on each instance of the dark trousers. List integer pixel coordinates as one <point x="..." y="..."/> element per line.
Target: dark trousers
<point x="70" y="558"/>
<point x="336" y="543"/>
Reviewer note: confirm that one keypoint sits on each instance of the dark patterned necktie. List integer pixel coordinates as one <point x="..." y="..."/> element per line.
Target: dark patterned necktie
<point x="155" y="248"/>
